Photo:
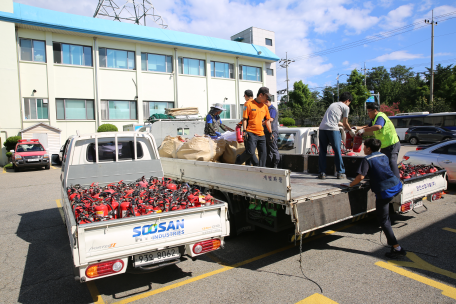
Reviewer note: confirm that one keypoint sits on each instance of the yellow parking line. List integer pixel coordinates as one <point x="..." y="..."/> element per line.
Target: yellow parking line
<point x="4" y="170"/>
<point x="96" y="297"/>
<point x="53" y="167"/>
<point x="224" y="268"/>
<point x="450" y="229"/>
<point x="446" y="290"/>
<point x="317" y="298"/>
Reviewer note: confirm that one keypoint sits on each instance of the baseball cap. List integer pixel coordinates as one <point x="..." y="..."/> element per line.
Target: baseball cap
<point x="264" y="90"/>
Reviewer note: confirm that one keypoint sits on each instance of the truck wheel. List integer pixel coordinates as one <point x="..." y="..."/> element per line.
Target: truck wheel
<point x="413" y="141"/>
<point x="48" y="167"/>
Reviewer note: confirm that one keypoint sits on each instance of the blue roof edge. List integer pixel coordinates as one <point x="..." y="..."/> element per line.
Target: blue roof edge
<point x="89" y="28"/>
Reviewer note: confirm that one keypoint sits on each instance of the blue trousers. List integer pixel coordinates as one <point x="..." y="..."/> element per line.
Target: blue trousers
<point x="334" y="138"/>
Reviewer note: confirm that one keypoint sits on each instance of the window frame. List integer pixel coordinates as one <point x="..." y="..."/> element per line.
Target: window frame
<point x="64" y="109"/>
<point x="272" y="72"/>
<point x="166" y="66"/>
<point x="241" y="72"/>
<point x="129" y="108"/>
<point x="182" y="66"/>
<point x="92" y="145"/>
<point x="266" y="41"/>
<point x="106" y="61"/>
<point x="33" y="47"/>
<point x="230" y="69"/>
<point x="83" y="54"/>
<point x="35" y="98"/>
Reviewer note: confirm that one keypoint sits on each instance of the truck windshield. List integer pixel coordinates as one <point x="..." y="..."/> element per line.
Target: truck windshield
<point x="29" y="148"/>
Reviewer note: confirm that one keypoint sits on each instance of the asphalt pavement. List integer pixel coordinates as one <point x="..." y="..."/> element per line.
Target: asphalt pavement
<point x="343" y="264"/>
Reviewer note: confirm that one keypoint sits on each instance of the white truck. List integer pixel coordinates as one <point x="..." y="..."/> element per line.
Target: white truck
<point x="106" y="248"/>
<point x="284" y="198"/>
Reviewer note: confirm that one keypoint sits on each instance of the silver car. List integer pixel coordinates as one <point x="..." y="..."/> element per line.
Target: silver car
<point x="441" y="154"/>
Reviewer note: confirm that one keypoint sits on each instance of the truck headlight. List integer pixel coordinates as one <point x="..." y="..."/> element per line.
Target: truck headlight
<point x="46" y="156"/>
<point x="17" y="156"/>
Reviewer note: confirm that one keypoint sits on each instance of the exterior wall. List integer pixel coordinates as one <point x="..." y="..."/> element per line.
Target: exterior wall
<point x="52" y="81"/>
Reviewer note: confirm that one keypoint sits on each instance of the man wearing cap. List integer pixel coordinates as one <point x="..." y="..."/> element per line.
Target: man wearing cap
<point x="253" y="161"/>
<point x="273" y="158"/>
<point x="255" y="112"/>
<point x="214" y="122"/>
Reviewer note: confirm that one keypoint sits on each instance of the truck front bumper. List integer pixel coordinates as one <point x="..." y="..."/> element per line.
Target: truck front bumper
<point x="25" y="164"/>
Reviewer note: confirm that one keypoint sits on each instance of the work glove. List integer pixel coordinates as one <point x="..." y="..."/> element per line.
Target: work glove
<point x="352" y="133"/>
<point x="272" y="137"/>
<point x="218" y="134"/>
<point x="360" y="132"/>
<point x="245" y="135"/>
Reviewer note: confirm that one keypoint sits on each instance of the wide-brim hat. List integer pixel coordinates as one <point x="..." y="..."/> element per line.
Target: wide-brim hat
<point x="218" y="106"/>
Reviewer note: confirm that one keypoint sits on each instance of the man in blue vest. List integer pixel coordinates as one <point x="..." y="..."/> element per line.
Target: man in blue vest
<point x="273" y="157"/>
<point x="214" y="122"/>
<point x="385" y="185"/>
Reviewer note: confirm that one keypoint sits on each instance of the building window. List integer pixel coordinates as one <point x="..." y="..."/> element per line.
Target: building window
<point x="268" y="41"/>
<point x="156" y="107"/>
<point x="36" y="108"/>
<point x="72" y="54"/>
<point x="222" y="70"/>
<point x="272" y="98"/>
<point x="269" y="72"/>
<point x="118" y="109"/>
<point x="156" y="63"/>
<point x="250" y="73"/>
<point x="33" y="50"/>
<point x="190" y="66"/>
<point x="68" y="109"/>
<point x="230" y="111"/>
<point x="117" y="59"/>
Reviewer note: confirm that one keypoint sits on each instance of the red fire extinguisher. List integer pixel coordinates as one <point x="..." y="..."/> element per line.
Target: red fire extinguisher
<point x="239" y="134"/>
<point x="348" y="141"/>
<point x="357" y="143"/>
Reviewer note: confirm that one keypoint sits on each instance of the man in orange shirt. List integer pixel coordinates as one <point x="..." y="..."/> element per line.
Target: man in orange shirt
<point x="255" y="111"/>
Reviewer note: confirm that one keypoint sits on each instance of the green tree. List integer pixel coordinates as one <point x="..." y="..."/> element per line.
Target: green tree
<point x="301" y="99"/>
<point x="358" y="90"/>
<point x="107" y="128"/>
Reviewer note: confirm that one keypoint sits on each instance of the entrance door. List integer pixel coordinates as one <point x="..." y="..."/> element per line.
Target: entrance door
<point x="43" y="138"/>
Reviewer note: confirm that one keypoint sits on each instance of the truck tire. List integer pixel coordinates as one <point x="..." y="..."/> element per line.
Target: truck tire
<point x="47" y="167"/>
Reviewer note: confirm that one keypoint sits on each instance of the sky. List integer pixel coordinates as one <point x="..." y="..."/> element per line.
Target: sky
<point x="324" y="37"/>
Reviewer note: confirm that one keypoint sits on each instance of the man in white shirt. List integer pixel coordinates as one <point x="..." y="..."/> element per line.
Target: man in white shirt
<point x="329" y="134"/>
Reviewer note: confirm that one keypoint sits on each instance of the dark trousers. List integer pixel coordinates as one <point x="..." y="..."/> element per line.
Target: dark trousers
<point x="382" y="209"/>
<point x="253" y="161"/>
<point x="334" y="138"/>
<point x="392" y="153"/>
<point x="251" y="143"/>
<point x="273" y="157"/>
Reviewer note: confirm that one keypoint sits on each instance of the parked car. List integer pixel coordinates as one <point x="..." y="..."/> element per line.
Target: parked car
<point x="428" y="134"/>
<point x="442" y="154"/>
<point x="30" y="154"/>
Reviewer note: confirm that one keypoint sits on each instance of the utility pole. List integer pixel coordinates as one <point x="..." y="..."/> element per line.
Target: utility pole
<point x="432" y="23"/>
<point x="365" y="74"/>
<point x="284" y="64"/>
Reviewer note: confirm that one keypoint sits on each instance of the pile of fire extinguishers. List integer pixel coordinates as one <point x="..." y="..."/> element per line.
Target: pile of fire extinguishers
<point x="121" y="200"/>
<point x="407" y="171"/>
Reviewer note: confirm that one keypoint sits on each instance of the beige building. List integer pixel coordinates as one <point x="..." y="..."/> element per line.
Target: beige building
<point x="75" y="73"/>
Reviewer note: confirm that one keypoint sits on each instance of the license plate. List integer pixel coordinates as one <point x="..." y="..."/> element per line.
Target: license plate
<point x="418" y="204"/>
<point x="156" y="256"/>
<point x="33" y="160"/>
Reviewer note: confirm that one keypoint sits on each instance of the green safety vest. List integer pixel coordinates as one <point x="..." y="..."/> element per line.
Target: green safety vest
<point x="387" y="135"/>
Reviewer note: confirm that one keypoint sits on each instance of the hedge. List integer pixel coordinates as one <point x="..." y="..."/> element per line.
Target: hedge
<point x="107" y="128"/>
<point x="287" y="121"/>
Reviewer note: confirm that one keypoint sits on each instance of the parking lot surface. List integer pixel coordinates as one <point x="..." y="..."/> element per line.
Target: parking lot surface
<point x="343" y="264"/>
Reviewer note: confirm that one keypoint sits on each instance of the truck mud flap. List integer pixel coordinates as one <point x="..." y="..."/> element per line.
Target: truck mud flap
<point x="324" y="211"/>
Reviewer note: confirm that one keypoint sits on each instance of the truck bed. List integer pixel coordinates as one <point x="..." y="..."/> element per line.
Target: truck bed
<point x="306" y="185"/>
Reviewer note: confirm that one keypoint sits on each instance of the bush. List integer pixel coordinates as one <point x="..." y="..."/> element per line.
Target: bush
<point x="8" y="166"/>
<point x="10" y="142"/>
<point x="9" y="154"/>
<point x="107" y="128"/>
<point x="287" y="121"/>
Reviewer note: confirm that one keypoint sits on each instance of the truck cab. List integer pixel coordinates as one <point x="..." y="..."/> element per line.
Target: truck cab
<point x="30" y="154"/>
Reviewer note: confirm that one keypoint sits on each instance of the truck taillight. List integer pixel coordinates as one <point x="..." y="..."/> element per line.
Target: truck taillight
<point x="419" y="148"/>
<point x="105" y="268"/>
<point x="406" y="207"/>
<point x="206" y="246"/>
<point x="406" y="157"/>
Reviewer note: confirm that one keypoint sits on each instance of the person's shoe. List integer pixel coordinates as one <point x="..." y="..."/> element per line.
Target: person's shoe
<point x="394" y="254"/>
<point x="341" y="176"/>
<point x="322" y="176"/>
